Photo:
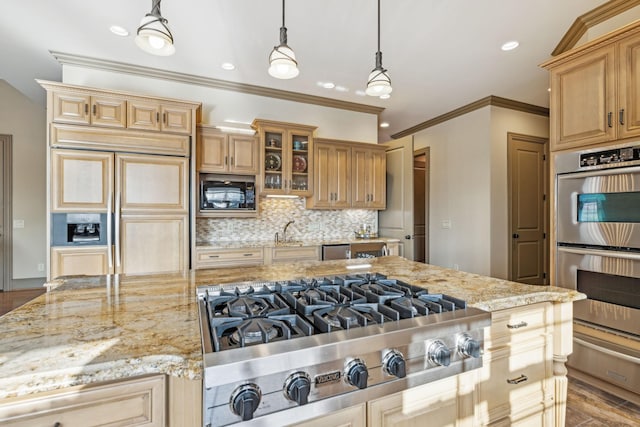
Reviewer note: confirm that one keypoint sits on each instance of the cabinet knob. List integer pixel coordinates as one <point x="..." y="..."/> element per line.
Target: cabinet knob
<point x="516" y="235"/>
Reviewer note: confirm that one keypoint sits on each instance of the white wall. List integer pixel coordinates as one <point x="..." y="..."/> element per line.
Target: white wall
<point x="218" y="104"/>
<point x="26" y="122"/>
<point x="468" y="186"/>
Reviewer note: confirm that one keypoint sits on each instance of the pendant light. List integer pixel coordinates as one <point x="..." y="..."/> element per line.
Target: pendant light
<point x="153" y="33"/>
<point x="379" y="82"/>
<point x="282" y="61"/>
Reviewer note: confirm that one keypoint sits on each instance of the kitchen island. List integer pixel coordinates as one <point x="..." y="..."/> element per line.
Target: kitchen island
<point x="106" y="330"/>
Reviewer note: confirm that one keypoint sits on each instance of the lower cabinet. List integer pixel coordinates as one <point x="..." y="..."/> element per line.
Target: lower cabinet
<point x="216" y="258"/>
<point x="281" y="254"/>
<point x="71" y="261"/>
<point x="136" y="402"/>
<point x="354" y="416"/>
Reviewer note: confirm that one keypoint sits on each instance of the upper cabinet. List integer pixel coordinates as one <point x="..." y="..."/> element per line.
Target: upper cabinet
<point x="71" y="104"/>
<point x="286" y="158"/>
<point x="595" y="91"/>
<point x="348" y="175"/>
<point x="219" y="152"/>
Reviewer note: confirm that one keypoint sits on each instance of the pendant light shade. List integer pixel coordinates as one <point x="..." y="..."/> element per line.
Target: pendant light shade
<point x="282" y="61"/>
<point x="379" y="82"/>
<point x="153" y="34"/>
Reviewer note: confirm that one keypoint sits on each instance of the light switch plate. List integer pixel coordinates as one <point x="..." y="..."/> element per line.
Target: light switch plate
<point x="18" y="223"/>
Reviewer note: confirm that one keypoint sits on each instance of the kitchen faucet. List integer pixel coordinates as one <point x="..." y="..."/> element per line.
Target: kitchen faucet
<point x="284" y="232"/>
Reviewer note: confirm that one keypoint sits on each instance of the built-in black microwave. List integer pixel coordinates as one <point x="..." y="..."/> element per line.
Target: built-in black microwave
<point x="219" y="192"/>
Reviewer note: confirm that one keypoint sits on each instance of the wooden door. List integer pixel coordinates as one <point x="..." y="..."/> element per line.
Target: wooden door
<point x="70" y="108"/>
<point x="583" y="100"/>
<point x="377" y="180"/>
<point x="420" y="203"/>
<point x="243" y="154"/>
<point x="629" y="88"/>
<point x="212" y="152"/>
<point x="81" y="181"/>
<point x="339" y="177"/>
<point x="148" y="183"/>
<point x="323" y="193"/>
<point x="527" y="176"/>
<point x="152" y="244"/>
<point x="73" y="260"/>
<point x="360" y="170"/>
<point x="396" y="221"/>
<point x="298" y="162"/>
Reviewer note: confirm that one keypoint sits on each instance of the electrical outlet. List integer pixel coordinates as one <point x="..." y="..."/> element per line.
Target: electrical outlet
<point x="456" y="266"/>
<point x="446" y="223"/>
<point x="18" y="223"/>
<point x="40" y="267"/>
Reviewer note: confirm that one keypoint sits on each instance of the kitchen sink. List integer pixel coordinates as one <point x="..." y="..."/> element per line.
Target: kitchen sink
<point x="290" y="243"/>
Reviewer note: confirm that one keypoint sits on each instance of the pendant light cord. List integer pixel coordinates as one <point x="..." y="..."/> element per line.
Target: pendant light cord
<point x="378" y="24"/>
<point x="283" y="13"/>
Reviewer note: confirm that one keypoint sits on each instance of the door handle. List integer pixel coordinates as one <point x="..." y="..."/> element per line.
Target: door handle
<point x="516" y="235"/>
<point x="408" y="237"/>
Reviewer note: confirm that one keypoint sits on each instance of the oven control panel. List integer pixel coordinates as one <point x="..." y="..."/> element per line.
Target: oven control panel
<point x="611" y="156"/>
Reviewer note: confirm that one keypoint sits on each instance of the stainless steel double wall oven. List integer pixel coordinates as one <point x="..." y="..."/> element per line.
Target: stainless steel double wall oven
<point x="598" y="253"/>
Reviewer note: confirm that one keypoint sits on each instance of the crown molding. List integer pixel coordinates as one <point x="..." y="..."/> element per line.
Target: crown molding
<point x="121" y="67"/>
<point x="590" y="19"/>
<point x="491" y="100"/>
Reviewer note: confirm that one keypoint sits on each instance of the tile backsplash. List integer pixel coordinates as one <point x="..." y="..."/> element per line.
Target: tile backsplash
<point x="274" y="215"/>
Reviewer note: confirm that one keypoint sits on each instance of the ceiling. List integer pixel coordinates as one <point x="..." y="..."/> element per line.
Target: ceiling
<point x="441" y="54"/>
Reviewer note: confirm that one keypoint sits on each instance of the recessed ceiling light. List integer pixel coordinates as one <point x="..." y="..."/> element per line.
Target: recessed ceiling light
<point x="328" y="85"/>
<point x="118" y="30"/>
<point x="342" y="89"/>
<point x="384" y="125"/>
<point x="548" y="89"/>
<point x="385" y="96"/>
<point x="228" y="66"/>
<point x="510" y="45"/>
<point x="361" y="93"/>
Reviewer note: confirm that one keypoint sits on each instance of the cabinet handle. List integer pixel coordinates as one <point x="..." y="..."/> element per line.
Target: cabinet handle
<point x="517" y="325"/>
<point x="157" y="117"/>
<point x="86" y="108"/>
<point x="522" y="378"/>
<point x="609" y="119"/>
<point x="247" y="254"/>
<point x="164" y="118"/>
<point x="94" y="109"/>
<point x="225" y="160"/>
<point x="231" y="160"/>
<point x="214" y="256"/>
<point x="57" y="424"/>
<point x="621" y="116"/>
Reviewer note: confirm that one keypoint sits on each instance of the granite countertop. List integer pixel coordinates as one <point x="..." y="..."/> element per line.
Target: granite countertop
<point x="304" y="242"/>
<point x="97" y="328"/>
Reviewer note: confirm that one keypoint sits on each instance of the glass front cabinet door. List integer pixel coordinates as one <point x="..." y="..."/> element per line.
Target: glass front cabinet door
<point x="287" y="158"/>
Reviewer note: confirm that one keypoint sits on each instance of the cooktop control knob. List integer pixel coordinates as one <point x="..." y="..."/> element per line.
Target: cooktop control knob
<point x="245" y="400"/>
<point x="439" y="353"/>
<point x="357" y="373"/>
<point x="394" y="364"/>
<point x="468" y="347"/>
<point x="297" y="388"/>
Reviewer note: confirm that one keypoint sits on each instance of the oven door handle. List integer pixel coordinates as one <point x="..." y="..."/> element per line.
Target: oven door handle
<point x="607" y="351"/>
<point x="600" y="252"/>
<point x="599" y="172"/>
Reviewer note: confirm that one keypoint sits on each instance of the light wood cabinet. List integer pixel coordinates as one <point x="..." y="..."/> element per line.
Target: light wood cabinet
<point x="286" y="157"/>
<point x="354" y="416"/>
<point x="332" y="186"/>
<point x="369" y="166"/>
<point x="219" y="152"/>
<point x="594" y="95"/>
<point x="231" y="257"/>
<point x="157" y="116"/>
<point x="134" y="402"/>
<point x="281" y="254"/>
<point x="348" y="175"/>
<point x="71" y="261"/>
<point x="515" y="384"/>
<point x="448" y="402"/>
<point x="89" y="110"/>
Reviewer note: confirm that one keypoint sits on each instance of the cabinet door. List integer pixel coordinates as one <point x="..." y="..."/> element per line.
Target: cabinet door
<point x="143" y="115"/>
<point x="273" y="155"/>
<point x="111" y="112"/>
<point x="298" y="162"/>
<point x="377" y="186"/>
<point x="243" y="154"/>
<point x="81" y="181"/>
<point x="355" y="416"/>
<point x="152" y="244"/>
<point x="71" y="108"/>
<point x="212" y="152"/>
<point x="340" y="176"/>
<point x="175" y="119"/>
<point x="67" y="261"/>
<point x="323" y="193"/>
<point x="629" y="87"/>
<point x="438" y="403"/>
<point x="583" y="100"/>
<point x="147" y="183"/>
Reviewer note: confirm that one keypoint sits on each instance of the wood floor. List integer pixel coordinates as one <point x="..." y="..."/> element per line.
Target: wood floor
<point x="587" y="406"/>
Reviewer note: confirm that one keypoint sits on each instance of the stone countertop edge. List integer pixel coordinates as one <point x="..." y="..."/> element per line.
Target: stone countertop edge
<point x="90" y="329"/>
<point x="296" y="243"/>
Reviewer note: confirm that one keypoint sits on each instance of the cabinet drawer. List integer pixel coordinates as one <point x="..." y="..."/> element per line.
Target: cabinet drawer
<point x="137" y="402"/>
<point x="517" y="324"/>
<point x="211" y="258"/>
<point x="295" y="253"/>
<point x="514" y="379"/>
